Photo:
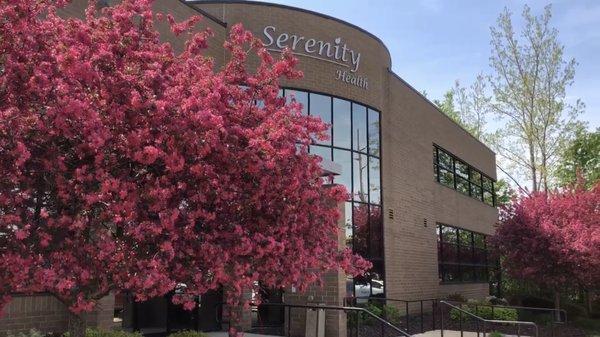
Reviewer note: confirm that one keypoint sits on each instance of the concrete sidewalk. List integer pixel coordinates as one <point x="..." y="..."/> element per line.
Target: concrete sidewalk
<point x="450" y="333"/>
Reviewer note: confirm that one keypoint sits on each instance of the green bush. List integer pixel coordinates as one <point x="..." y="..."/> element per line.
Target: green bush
<point x="386" y="312"/>
<point x="496" y="334"/>
<point x="30" y="333"/>
<point x="456" y="297"/>
<point x="486" y="312"/>
<point x="91" y="332"/>
<point x="188" y="333"/>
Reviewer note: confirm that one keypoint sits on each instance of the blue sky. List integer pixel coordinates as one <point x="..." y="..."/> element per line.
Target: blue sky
<point x="435" y="42"/>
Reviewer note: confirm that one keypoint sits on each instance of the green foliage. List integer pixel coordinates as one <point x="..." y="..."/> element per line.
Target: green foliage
<point x="496" y="334"/>
<point x="188" y="333"/>
<point x="504" y="192"/>
<point x="91" y="332"/>
<point x="386" y="312"/>
<point x="456" y="297"/>
<point x="581" y="157"/>
<point x="30" y="333"/>
<point x="484" y="311"/>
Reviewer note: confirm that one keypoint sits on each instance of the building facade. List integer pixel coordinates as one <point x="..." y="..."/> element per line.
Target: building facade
<point x="422" y="197"/>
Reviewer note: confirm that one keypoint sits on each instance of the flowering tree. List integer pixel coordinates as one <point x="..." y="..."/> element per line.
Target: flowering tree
<point x="553" y="239"/>
<point x="129" y="167"/>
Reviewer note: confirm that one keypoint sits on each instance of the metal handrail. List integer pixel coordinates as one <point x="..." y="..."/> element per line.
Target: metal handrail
<point x="341" y="308"/>
<point x="492" y="321"/>
<point x="406" y="303"/>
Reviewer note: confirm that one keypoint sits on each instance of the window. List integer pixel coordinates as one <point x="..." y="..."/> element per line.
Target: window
<point x="455" y="173"/>
<point x="462" y="255"/>
<point x="320" y="106"/>
<point x="355" y="144"/>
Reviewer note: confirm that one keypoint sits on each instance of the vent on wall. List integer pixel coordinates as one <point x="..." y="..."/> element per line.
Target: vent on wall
<point x="390" y="214"/>
<point x="424" y="222"/>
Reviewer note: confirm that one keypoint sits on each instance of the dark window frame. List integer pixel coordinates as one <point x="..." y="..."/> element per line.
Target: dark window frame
<point x="463" y="264"/>
<point x="365" y="151"/>
<point x="471" y="183"/>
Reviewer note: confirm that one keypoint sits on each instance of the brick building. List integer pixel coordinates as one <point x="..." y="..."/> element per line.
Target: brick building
<point x="425" y="184"/>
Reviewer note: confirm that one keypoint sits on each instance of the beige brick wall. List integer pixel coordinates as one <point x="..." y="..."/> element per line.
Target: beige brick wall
<point x="411" y="126"/>
<point x="45" y="313"/>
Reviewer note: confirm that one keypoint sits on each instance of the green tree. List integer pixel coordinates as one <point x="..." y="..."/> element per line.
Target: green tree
<point x="530" y="76"/>
<point x="581" y="157"/>
<point x="504" y="192"/>
<point x="473" y="105"/>
<point x="446" y="105"/>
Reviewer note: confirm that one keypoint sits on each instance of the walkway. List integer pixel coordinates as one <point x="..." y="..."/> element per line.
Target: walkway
<point x="449" y="333"/>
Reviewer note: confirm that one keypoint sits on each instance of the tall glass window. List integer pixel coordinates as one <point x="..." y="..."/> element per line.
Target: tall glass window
<point x="355" y="144"/>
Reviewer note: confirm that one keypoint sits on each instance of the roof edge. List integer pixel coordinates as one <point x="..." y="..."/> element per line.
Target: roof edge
<point x="439" y="110"/>
<point x="204" y="13"/>
<point x="298" y="9"/>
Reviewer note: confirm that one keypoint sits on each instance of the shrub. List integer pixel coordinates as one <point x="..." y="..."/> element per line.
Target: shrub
<point x="486" y="312"/>
<point x="496" y="334"/>
<point x="90" y="332"/>
<point x="386" y="312"/>
<point x="188" y="333"/>
<point x="30" y="333"/>
<point x="456" y="297"/>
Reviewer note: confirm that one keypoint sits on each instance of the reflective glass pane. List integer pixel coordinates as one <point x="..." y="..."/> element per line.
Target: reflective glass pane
<point x="360" y="181"/>
<point x="476" y="192"/>
<point x="359" y="128"/>
<point x="377" y="281"/>
<point x="360" y="216"/>
<point x="450" y="273"/>
<point x="320" y="106"/>
<point x="475" y="177"/>
<point x="448" y="234"/>
<point x="374" y="181"/>
<point x="344" y="159"/>
<point x="479" y="240"/>
<point x="348" y="223"/>
<point x="375" y="239"/>
<point x="487" y="184"/>
<point x="488" y="198"/>
<point x="374" y="132"/>
<point x="462" y="169"/>
<point x="445" y="160"/>
<point x="446" y="177"/>
<point x="300" y="97"/>
<point x="462" y="185"/>
<point x="464" y="238"/>
<point x="321" y="151"/>
<point x="467" y="273"/>
<point x="342" y="132"/>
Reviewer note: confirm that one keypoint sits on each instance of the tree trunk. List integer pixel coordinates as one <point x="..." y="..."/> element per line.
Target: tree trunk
<point x="557" y="317"/>
<point x="533" y="167"/>
<point x="76" y="325"/>
<point x="588" y="302"/>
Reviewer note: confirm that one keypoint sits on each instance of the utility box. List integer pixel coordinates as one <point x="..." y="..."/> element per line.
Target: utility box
<point x="315" y="322"/>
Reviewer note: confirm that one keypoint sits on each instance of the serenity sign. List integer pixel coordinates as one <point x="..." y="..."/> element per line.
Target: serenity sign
<point x="336" y="52"/>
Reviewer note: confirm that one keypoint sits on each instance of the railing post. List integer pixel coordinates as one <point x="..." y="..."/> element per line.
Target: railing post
<point x="422" y="317"/>
<point x="484" y="329"/>
<point x="357" y="323"/>
<point x="460" y="322"/>
<point x="317" y="325"/>
<point x="433" y="307"/>
<point x="407" y="318"/>
<point x="289" y="328"/>
<point x="442" y="320"/>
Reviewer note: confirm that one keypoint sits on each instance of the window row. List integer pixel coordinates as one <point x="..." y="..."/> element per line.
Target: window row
<point x="455" y="173"/>
<point x="462" y="255"/>
<point x="352" y="125"/>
